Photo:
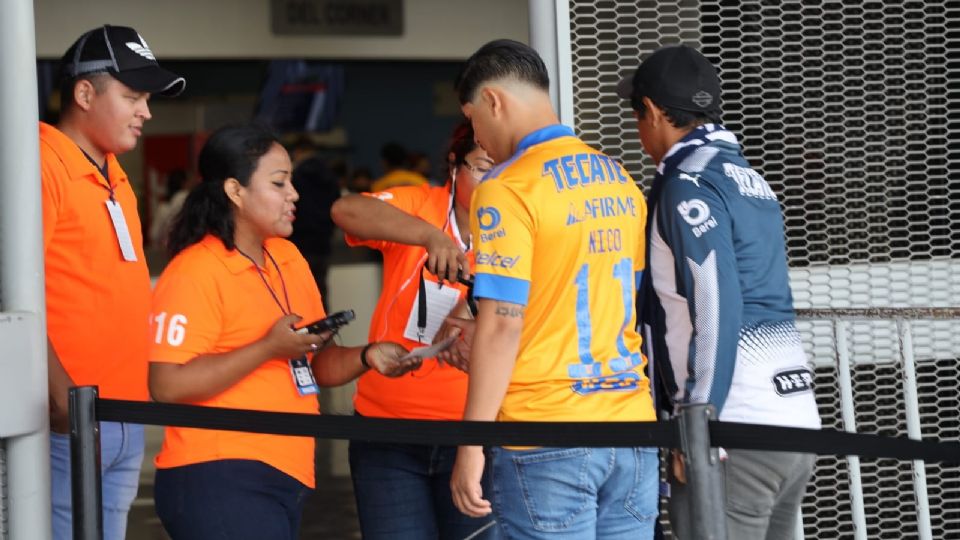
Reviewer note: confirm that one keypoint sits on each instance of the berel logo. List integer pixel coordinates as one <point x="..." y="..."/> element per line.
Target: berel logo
<point x="793" y="381"/>
<point x="694" y="211"/>
<point x="488" y="217"/>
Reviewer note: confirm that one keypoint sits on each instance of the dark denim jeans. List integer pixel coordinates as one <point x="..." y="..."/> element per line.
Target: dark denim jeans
<point x="230" y="499"/>
<point x="403" y="493"/>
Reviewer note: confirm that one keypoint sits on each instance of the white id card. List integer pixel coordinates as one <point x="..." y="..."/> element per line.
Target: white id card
<point x="440" y="302"/>
<point x="120" y="228"/>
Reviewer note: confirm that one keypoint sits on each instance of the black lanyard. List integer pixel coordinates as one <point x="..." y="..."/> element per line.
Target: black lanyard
<point x="267" y="283"/>
<point x="103" y="171"/>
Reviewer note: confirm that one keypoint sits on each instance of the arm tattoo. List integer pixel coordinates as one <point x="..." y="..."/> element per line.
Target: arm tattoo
<point x="509" y="310"/>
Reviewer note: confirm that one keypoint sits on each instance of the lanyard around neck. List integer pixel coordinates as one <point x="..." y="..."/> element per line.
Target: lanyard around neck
<point x="283" y="284"/>
<point x="104" y="171"/>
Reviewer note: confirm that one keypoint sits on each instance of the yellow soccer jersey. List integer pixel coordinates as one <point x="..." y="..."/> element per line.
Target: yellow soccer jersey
<point x="559" y="228"/>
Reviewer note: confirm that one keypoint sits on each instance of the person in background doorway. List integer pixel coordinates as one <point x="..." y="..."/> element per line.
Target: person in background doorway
<point x="318" y="188"/>
<point x="420" y="163"/>
<point x="97" y="283"/>
<point x="223" y="316"/>
<point x="393" y="157"/>
<point x="717" y="297"/>
<point x="177" y="190"/>
<point x="361" y="181"/>
<point x="403" y="490"/>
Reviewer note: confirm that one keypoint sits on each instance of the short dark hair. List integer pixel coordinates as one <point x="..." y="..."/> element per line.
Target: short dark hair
<point x="501" y="59"/>
<point x="679" y="118"/>
<point x="230" y="152"/>
<point x="394" y="155"/>
<point x="67" y="85"/>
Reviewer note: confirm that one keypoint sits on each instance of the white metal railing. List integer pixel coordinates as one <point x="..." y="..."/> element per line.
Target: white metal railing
<point x="903" y="318"/>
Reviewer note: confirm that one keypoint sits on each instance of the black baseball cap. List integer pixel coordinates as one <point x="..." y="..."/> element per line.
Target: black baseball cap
<point x="123" y="53"/>
<point x="675" y="76"/>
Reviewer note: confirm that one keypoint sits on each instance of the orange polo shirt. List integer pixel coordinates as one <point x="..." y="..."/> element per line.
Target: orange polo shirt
<point x="435" y="391"/>
<point x="209" y="301"/>
<point x="98" y="304"/>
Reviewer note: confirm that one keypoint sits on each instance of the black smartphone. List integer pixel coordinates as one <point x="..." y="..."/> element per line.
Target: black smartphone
<point x="332" y="323"/>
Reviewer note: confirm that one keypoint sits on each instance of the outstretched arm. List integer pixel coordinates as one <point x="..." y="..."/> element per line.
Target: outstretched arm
<point x="369" y="218"/>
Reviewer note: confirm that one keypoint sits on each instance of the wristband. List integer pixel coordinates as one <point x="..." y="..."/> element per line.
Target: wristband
<point x="363" y="355"/>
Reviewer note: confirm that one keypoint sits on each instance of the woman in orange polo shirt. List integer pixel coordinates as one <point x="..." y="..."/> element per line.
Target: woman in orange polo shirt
<point x="223" y="315"/>
<point x="402" y="490"/>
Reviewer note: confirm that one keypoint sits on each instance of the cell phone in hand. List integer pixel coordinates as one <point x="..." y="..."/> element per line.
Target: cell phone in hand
<point x="331" y="323"/>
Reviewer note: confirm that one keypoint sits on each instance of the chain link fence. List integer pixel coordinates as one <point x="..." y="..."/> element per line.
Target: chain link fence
<point x="848" y="109"/>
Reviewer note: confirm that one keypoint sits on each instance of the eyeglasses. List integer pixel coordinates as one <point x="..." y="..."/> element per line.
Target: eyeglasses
<point x="477" y="172"/>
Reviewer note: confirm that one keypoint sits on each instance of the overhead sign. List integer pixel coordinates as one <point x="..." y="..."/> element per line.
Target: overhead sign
<point x="337" y="17"/>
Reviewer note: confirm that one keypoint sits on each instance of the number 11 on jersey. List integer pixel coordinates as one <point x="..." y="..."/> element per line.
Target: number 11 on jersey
<point x="589" y="370"/>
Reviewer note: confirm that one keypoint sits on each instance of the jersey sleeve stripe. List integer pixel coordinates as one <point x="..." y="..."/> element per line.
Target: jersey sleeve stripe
<point x="503" y="288"/>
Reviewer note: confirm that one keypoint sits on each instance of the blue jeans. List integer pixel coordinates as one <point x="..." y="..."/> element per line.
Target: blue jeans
<point x="403" y="493"/>
<point x="121" y="454"/>
<point x="576" y="493"/>
<point x="229" y="499"/>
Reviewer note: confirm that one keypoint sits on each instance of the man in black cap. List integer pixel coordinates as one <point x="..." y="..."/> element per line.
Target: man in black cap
<point x="717" y="297"/>
<point x="97" y="282"/>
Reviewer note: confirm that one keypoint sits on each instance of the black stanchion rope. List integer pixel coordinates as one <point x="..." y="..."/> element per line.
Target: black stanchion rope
<point x="559" y="434"/>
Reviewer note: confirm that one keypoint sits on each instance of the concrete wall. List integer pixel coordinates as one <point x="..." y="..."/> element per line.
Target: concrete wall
<point x="433" y="29"/>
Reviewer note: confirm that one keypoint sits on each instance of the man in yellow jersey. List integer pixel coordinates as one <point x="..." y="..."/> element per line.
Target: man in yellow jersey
<point x="559" y="235"/>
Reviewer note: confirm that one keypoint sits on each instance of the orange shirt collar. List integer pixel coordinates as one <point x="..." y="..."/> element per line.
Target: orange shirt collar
<point x="77" y="164"/>
<point x="236" y="263"/>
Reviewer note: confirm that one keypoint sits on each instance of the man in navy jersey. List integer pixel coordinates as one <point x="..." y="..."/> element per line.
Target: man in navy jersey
<point x="717" y="295"/>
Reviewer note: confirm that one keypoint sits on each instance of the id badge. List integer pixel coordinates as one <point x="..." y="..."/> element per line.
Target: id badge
<point x="303" y="376"/>
<point x="440" y="302"/>
<point x="120" y="228"/>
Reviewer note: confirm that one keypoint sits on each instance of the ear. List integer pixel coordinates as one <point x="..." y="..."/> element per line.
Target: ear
<point x="653" y="112"/>
<point x="232" y="188"/>
<point x="83" y="94"/>
<point x="493" y="99"/>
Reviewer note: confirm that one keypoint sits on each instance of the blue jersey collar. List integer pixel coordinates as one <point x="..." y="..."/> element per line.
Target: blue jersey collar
<point x="543" y="135"/>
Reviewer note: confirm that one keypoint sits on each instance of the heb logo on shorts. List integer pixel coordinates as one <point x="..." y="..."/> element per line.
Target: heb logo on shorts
<point x="496" y="260"/>
<point x="793" y="381"/>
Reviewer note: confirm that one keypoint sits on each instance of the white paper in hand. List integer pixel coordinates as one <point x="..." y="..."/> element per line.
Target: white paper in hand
<point x="432" y="350"/>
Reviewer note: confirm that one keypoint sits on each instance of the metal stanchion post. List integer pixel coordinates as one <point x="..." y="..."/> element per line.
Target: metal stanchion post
<point x="704" y="481"/>
<point x="85" y="464"/>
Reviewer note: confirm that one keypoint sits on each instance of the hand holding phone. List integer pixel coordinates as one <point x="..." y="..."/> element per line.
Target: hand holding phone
<point x="331" y="323"/>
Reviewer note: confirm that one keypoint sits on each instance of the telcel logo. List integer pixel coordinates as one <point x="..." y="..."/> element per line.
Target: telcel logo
<point x="488" y="217"/>
<point x="496" y="260"/>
